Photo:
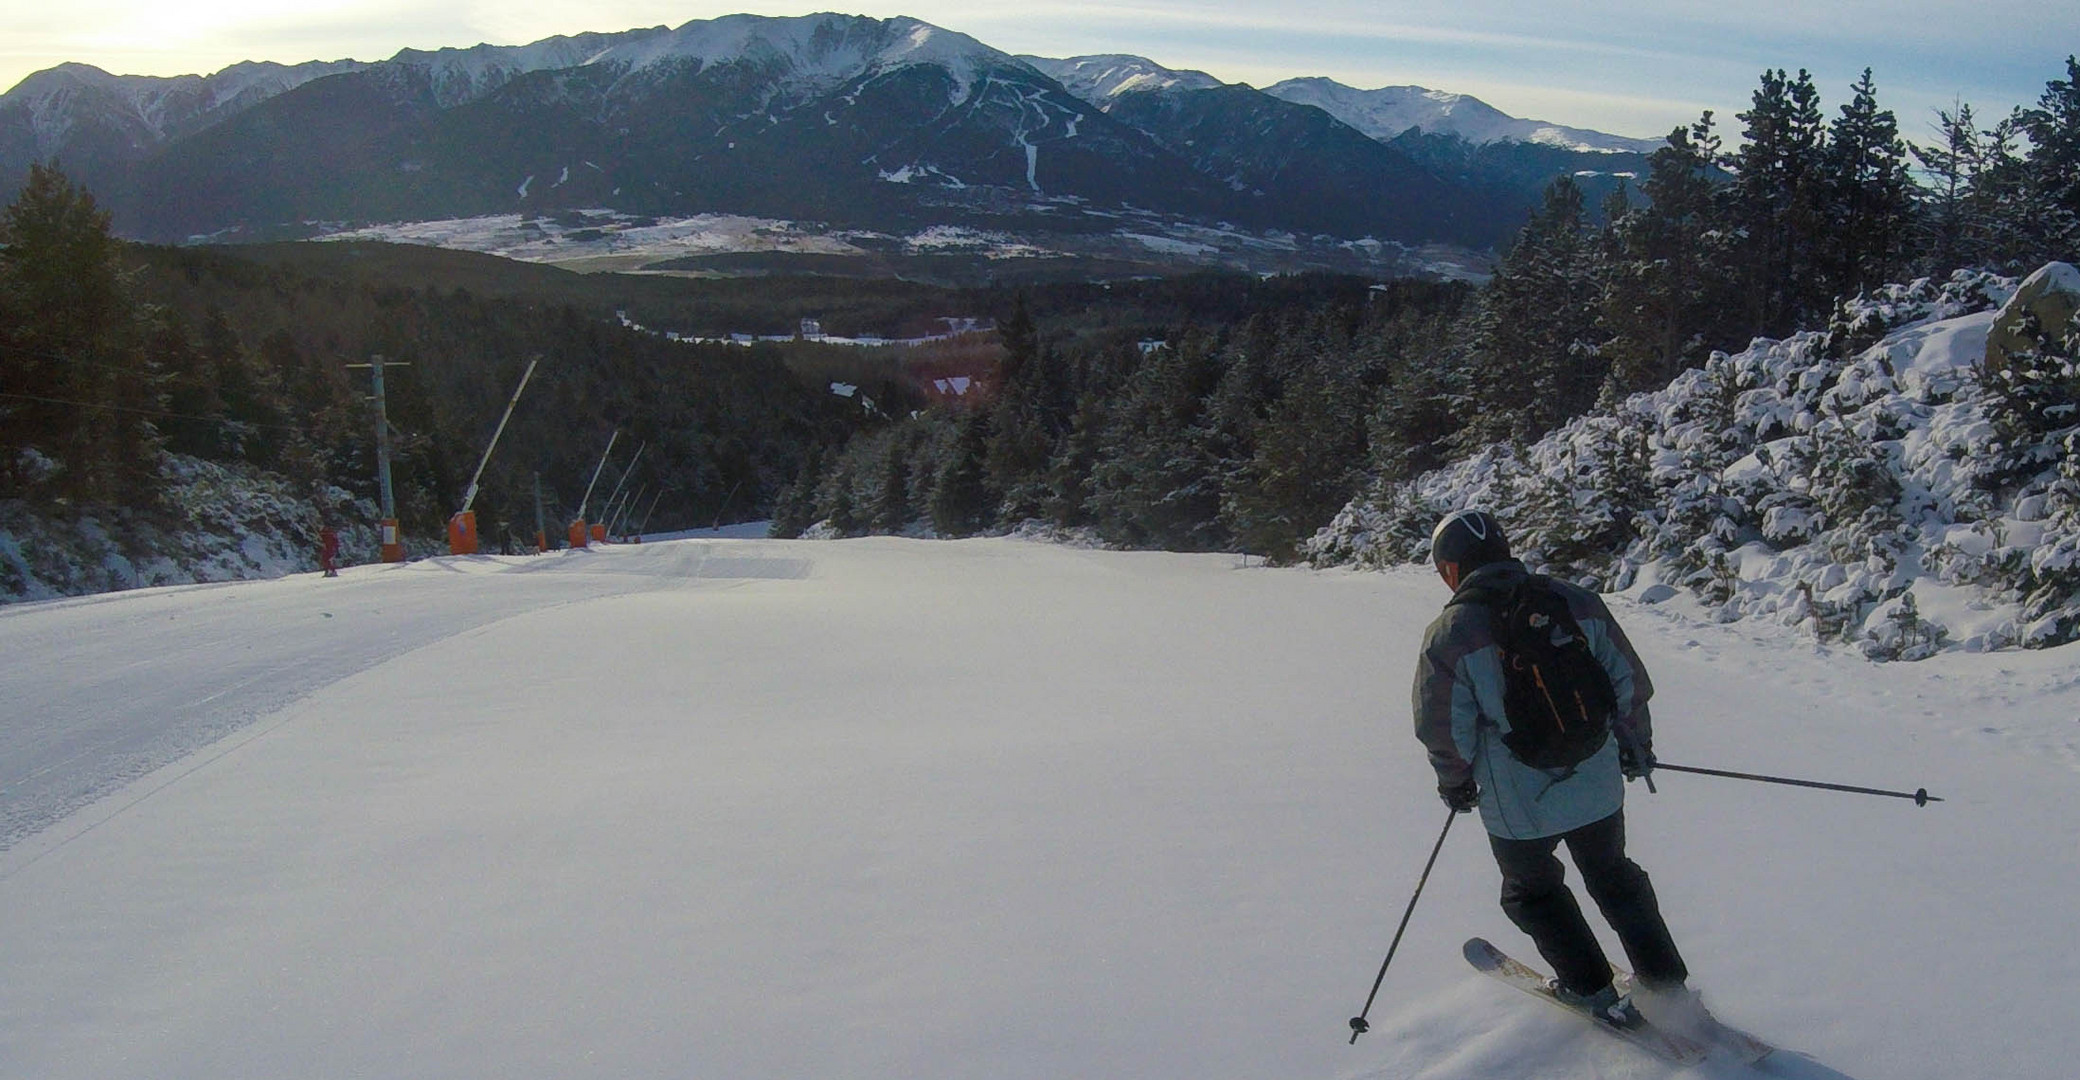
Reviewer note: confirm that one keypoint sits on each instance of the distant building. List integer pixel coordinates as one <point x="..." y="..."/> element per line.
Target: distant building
<point x="812" y="330"/>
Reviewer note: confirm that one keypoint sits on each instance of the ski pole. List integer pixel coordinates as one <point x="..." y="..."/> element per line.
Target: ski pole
<point x="1358" y="1024"/>
<point x="1920" y="796"/>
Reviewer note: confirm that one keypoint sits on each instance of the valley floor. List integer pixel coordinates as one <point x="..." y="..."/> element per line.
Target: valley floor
<point x="912" y="809"/>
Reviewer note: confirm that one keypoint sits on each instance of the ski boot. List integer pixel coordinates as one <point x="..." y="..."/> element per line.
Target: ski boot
<point x="1605" y="1006"/>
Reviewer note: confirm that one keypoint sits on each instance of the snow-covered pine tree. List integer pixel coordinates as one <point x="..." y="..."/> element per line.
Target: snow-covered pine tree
<point x="888" y="506"/>
<point x="2053" y="129"/>
<point x="961" y="499"/>
<point x="795" y="508"/>
<point x="1536" y="360"/>
<point x="2032" y="395"/>
<point x="1952" y="162"/>
<point x="1303" y="468"/>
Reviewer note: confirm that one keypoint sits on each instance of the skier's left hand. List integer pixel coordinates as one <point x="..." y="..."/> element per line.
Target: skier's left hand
<point x="1635" y="761"/>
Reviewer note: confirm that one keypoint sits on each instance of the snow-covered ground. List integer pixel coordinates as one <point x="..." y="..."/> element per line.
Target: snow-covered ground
<point x="898" y="808"/>
<point x="600" y="239"/>
<point x="605" y="240"/>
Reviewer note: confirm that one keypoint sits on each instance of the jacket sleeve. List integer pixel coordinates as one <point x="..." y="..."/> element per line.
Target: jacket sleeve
<point x="1629" y="681"/>
<point x="1442" y="701"/>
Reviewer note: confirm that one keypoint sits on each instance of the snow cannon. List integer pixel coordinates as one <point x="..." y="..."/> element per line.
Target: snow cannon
<point x="462" y="533"/>
<point x="462" y="528"/>
<point x="599" y="533"/>
<point x="579" y="533"/>
<point x="392" y="541"/>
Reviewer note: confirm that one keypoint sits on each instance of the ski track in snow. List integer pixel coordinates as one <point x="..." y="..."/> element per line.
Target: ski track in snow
<point x="929" y="809"/>
<point x="105" y="689"/>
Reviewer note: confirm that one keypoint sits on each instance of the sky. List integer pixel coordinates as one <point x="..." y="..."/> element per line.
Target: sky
<point x="1629" y="68"/>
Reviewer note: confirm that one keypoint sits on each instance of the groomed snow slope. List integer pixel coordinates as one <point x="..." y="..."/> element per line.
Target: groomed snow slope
<point x="914" y="809"/>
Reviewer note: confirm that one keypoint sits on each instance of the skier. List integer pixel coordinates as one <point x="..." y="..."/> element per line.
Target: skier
<point x="328" y="549"/>
<point x="1460" y="690"/>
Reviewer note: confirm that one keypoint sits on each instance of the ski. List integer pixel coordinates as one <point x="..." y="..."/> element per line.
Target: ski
<point x="1667" y="1045"/>
<point x="1744" y="1046"/>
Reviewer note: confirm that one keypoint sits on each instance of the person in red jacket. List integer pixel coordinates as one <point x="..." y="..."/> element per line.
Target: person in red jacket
<point x="328" y="550"/>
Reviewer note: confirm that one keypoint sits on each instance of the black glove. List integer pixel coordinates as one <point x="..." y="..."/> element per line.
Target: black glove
<point x="1462" y="796"/>
<point x="1635" y="761"/>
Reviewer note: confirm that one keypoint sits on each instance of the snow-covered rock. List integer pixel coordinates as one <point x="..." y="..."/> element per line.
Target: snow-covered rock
<point x="216" y="524"/>
<point x="1866" y="497"/>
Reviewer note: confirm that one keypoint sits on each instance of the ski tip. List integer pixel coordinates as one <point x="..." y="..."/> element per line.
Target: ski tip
<point x="1479" y="952"/>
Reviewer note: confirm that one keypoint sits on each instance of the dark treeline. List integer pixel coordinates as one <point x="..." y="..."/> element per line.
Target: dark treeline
<point x="1250" y="431"/>
<point x="112" y="356"/>
<point x="1246" y="432"/>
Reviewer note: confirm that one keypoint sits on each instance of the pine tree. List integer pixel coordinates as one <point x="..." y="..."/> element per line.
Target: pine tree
<point x="81" y="388"/>
<point x="1069" y="472"/>
<point x="1153" y="484"/>
<point x="1665" y="296"/>
<point x="888" y="510"/>
<point x="961" y="500"/>
<point x="795" y="508"/>
<point x="1537" y="361"/>
<point x="2002" y="220"/>
<point x="1304" y="466"/>
<point x="1953" y="163"/>
<point x="2032" y="396"/>
<point x="1779" y="194"/>
<point x="2053" y="169"/>
<point x="1869" y="196"/>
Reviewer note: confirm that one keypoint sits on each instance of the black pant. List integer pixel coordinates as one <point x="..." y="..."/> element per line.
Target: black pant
<point x="1535" y="897"/>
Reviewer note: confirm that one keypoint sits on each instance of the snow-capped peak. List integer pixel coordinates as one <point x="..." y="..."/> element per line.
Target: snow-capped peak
<point x="152" y="108"/>
<point x="823" y="49"/>
<point x="1103" y="78"/>
<point x="1391" y="110"/>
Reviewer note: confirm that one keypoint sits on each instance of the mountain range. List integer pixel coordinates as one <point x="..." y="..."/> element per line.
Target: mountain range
<point x="870" y="125"/>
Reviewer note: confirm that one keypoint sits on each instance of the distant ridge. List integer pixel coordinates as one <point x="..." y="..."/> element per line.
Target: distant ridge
<point x="873" y="128"/>
<point x="1391" y="110"/>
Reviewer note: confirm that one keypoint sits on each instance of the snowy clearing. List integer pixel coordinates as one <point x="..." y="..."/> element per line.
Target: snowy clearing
<point x="896" y="808"/>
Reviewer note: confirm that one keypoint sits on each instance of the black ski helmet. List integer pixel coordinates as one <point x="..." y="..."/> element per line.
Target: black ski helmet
<point x="1469" y="540"/>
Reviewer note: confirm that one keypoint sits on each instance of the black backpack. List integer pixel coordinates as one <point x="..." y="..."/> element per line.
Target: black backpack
<point x="1557" y="695"/>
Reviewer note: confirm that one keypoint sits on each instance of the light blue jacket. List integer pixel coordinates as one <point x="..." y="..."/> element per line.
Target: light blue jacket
<point x="1460" y="718"/>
